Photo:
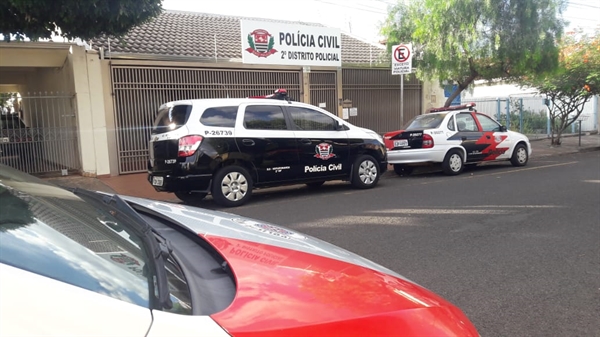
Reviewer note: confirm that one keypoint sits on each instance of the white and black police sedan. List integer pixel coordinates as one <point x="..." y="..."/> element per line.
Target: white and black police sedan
<point x="454" y="137"/>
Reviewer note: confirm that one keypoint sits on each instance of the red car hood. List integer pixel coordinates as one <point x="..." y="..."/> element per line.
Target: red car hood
<point x="292" y="284"/>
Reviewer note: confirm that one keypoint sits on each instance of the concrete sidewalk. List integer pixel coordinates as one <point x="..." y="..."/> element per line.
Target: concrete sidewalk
<point x="137" y="184"/>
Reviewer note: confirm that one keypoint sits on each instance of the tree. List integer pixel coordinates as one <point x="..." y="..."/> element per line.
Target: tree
<point x="85" y="19"/>
<point x="574" y="83"/>
<point x="460" y="41"/>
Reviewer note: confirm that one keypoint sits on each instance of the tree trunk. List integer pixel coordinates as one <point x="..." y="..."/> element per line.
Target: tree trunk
<point x="461" y="86"/>
<point x="556" y="141"/>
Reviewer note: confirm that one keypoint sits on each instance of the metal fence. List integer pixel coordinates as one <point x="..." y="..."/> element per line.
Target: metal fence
<point x="323" y="90"/>
<point x="375" y="93"/>
<point x="39" y="134"/>
<point x="529" y="115"/>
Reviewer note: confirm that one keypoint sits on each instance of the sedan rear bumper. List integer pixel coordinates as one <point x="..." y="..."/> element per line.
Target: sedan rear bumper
<point x="415" y="156"/>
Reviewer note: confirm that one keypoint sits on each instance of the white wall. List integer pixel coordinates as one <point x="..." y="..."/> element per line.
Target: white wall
<point x="87" y="77"/>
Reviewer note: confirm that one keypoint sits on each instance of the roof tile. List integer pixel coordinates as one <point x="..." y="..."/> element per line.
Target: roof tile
<point x="193" y="35"/>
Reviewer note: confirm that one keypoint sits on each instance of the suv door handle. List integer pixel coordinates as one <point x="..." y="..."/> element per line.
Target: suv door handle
<point x="248" y="142"/>
<point x="305" y="141"/>
<point x="463" y="138"/>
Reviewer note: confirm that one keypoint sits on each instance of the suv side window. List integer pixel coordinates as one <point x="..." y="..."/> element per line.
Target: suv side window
<point x="488" y="124"/>
<point x="311" y="120"/>
<point x="264" y="117"/>
<point x="223" y="116"/>
<point x="466" y="123"/>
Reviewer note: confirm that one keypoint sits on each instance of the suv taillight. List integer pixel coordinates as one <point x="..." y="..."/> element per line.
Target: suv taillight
<point x="188" y="145"/>
<point x="427" y="141"/>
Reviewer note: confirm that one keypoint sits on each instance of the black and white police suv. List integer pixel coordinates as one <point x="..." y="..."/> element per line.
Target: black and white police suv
<point x="227" y="147"/>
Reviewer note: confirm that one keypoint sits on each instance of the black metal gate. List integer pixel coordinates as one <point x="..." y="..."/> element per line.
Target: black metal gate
<point x="38" y="134"/>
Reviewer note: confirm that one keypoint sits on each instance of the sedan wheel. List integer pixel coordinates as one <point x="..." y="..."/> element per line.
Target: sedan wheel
<point x="519" y="156"/>
<point x="403" y="170"/>
<point x="189" y="196"/>
<point x="453" y="163"/>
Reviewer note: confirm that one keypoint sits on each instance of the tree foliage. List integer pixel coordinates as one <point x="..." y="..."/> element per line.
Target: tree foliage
<point x="460" y="41"/>
<point x="85" y="19"/>
<point x="574" y="83"/>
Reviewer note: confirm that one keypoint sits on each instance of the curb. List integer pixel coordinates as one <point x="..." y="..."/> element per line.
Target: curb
<point x="589" y="149"/>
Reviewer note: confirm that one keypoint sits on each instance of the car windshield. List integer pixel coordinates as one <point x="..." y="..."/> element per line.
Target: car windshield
<point x="428" y="121"/>
<point x="52" y="232"/>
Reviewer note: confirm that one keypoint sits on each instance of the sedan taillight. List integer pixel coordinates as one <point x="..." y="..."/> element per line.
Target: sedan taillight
<point x="188" y="145"/>
<point x="427" y="141"/>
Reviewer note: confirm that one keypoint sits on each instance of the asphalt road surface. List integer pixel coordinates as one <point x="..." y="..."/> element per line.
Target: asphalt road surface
<point x="517" y="249"/>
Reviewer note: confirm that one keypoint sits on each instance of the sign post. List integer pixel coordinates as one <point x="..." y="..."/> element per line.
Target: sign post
<point x="402" y="64"/>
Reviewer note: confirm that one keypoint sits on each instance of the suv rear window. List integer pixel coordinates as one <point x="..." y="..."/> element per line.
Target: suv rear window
<point x="220" y="116"/>
<point x="429" y="121"/>
<point x="171" y="118"/>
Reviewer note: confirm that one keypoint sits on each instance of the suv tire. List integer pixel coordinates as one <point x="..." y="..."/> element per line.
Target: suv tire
<point x="365" y="172"/>
<point x="232" y="186"/>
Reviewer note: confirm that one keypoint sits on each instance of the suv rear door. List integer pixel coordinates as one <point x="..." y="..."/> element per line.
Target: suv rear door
<point x="323" y="147"/>
<point x="266" y="139"/>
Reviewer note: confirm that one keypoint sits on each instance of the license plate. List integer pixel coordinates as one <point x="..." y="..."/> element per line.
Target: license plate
<point x="400" y="142"/>
<point x="158" y="181"/>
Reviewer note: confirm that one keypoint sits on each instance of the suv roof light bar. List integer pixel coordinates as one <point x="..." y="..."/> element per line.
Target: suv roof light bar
<point x="470" y="106"/>
<point x="278" y="94"/>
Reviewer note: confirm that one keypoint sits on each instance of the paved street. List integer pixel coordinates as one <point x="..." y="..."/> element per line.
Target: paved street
<point x="517" y="249"/>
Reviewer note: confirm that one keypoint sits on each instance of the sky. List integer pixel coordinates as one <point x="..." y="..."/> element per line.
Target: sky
<point x="361" y="18"/>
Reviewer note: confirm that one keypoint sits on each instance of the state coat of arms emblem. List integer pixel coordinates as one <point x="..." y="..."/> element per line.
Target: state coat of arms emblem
<point x="261" y="43"/>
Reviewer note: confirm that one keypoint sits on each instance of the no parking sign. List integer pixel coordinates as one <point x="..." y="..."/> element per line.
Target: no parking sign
<point x="402" y="59"/>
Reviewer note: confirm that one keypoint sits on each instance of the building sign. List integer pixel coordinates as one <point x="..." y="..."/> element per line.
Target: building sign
<point x="285" y="44"/>
<point x="402" y="59"/>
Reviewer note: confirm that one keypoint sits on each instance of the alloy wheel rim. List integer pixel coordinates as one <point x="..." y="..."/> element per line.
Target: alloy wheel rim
<point x="234" y="186"/>
<point x="367" y="172"/>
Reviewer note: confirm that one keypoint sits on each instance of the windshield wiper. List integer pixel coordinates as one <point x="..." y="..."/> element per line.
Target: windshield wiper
<point x="156" y="246"/>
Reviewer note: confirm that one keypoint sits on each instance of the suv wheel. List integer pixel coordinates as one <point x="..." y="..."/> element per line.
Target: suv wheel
<point x="189" y="196"/>
<point x="232" y="186"/>
<point x="365" y="172"/>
